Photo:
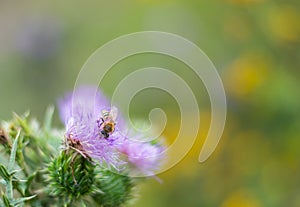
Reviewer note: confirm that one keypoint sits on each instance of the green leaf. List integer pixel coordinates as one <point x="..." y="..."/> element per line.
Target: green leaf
<point x="83" y="203"/>
<point x="29" y="181"/>
<point x="6" y="201"/>
<point x="12" y="158"/>
<point x="22" y="122"/>
<point x="4" y="173"/>
<point x="9" y="189"/>
<point x="21" y="200"/>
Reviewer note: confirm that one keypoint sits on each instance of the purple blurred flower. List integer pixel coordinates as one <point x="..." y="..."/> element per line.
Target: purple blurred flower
<point x="39" y="38"/>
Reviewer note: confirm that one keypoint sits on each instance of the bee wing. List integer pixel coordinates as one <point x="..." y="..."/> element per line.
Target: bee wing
<point x="104" y="113"/>
<point x="113" y="113"/>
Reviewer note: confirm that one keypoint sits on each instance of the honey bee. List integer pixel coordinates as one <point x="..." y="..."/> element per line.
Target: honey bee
<point x="107" y="122"/>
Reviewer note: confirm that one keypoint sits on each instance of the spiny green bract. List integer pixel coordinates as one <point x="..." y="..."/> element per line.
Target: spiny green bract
<point x="117" y="189"/>
<point x="70" y="176"/>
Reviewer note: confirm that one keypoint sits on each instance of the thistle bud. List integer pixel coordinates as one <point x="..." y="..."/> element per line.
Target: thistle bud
<point x="71" y="175"/>
<point x="116" y="189"/>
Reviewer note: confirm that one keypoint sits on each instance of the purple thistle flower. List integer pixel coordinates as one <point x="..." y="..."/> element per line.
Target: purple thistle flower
<point x="145" y="157"/>
<point x="80" y="111"/>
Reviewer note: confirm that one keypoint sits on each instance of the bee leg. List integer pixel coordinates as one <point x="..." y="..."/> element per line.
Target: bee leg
<point x="105" y="134"/>
<point x="98" y="122"/>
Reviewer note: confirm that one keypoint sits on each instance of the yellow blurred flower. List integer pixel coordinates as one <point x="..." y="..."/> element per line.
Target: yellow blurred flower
<point x="246" y="75"/>
<point x="284" y="23"/>
<point x="189" y="164"/>
<point x="241" y="198"/>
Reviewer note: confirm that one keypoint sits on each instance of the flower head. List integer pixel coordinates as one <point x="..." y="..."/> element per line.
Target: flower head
<point x="81" y="111"/>
<point x="95" y="129"/>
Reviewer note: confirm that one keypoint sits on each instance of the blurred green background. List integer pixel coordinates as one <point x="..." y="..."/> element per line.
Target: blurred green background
<point x="254" y="44"/>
